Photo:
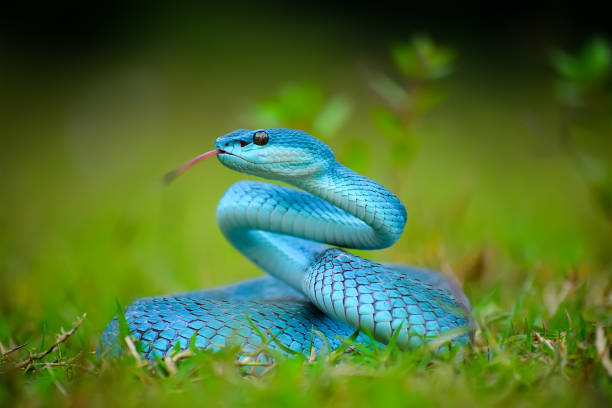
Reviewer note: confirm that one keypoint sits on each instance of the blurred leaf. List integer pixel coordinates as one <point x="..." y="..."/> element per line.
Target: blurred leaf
<point x="389" y="90"/>
<point x="334" y="114"/>
<point x="598" y="176"/>
<point x="124" y="328"/>
<point x="592" y="168"/>
<point x="570" y="93"/>
<point x="422" y="59"/>
<point x="43" y="331"/>
<point x="176" y="349"/>
<point x="296" y="105"/>
<point x="388" y="124"/>
<point x="592" y="63"/>
<point x="403" y="143"/>
<point x="303" y="106"/>
<point x="428" y="98"/>
<point x="584" y="73"/>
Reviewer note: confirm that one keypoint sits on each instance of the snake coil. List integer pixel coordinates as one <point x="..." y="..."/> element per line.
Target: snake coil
<point x="314" y="294"/>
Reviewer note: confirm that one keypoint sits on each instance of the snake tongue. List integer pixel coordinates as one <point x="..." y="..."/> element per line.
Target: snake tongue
<point x="170" y="176"/>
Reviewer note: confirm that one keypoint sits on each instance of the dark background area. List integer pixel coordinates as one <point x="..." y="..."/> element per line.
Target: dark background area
<point x="57" y="30"/>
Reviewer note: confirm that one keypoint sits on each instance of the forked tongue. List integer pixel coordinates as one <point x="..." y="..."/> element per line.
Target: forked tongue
<point x="170" y="176"/>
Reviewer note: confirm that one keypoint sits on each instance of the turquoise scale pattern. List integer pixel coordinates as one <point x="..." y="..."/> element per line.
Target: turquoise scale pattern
<point x="161" y="322"/>
<point x="370" y="295"/>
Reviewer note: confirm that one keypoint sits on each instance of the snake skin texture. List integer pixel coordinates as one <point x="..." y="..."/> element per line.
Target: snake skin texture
<point x="316" y="295"/>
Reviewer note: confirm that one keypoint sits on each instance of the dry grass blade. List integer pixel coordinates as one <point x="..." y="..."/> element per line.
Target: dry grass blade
<point x="58" y="385"/>
<point x="602" y="349"/>
<point x="254" y="364"/>
<point x="313" y="355"/>
<point x="65" y="363"/>
<point x="61" y="338"/>
<point x="133" y="352"/>
<point x="5" y="352"/>
<point x="172" y="361"/>
<point x="553" y="298"/>
<point x="542" y="340"/>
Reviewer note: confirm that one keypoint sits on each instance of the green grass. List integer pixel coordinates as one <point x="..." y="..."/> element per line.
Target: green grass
<point x="517" y="358"/>
<point x="493" y="197"/>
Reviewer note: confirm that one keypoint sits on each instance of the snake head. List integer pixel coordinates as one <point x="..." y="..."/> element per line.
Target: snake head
<point x="279" y="154"/>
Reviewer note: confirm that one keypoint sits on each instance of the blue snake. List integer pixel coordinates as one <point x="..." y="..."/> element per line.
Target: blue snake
<point x="315" y="295"/>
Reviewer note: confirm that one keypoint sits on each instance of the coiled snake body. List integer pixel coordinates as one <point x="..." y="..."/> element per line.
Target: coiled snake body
<point x="315" y="295"/>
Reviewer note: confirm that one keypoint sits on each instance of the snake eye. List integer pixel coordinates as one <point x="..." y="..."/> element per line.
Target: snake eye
<point x="260" y="138"/>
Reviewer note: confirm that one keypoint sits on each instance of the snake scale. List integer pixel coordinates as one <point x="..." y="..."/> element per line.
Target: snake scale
<point x="315" y="294"/>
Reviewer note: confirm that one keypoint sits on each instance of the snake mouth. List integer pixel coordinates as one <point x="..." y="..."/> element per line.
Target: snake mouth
<point x="252" y="162"/>
<point x="170" y="176"/>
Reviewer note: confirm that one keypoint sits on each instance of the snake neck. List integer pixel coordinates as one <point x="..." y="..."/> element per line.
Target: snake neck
<point x="365" y="200"/>
<point x="283" y="230"/>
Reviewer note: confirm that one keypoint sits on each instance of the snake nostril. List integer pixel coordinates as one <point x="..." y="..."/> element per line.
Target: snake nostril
<point x="226" y="144"/>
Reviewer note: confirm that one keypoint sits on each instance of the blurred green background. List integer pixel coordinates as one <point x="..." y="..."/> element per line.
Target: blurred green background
<point x="493" y="127"/>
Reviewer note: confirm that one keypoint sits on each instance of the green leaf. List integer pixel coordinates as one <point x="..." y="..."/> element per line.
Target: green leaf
<point x="428" y="98"/>
<point x="124" y="328"/>
<point x="422" y="59"/>
<point x="323" y="337"/>
<point x="296" y="105"/>
<point x="262" y="335"/>
<point x="393" y="93"/>
<point x="388" y="124"/>
<point x="332" y="116"/>
<point x="192" y="343"/>
<point x="43" y="330"/>
<point x="176" y="348"/>
<point x="591" y="64"/>
<point x="163" y="368"/>
<point x="274" y="339"/>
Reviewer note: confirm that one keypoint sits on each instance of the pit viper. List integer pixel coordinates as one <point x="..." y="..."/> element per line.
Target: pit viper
<point x="315" y="293"/>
